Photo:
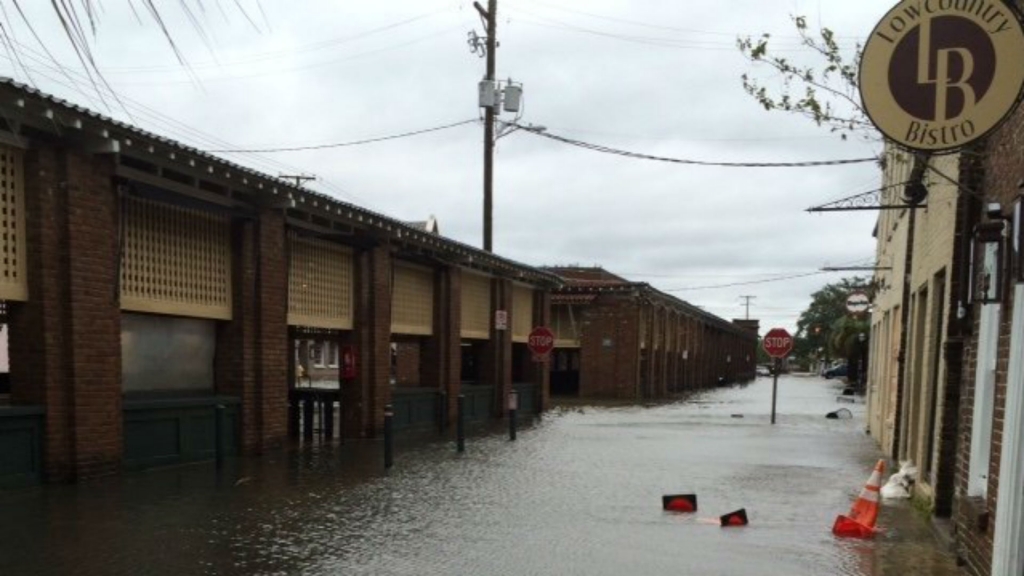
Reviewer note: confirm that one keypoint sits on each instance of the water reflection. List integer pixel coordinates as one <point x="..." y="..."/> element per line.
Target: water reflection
<point x="579" y="493"/>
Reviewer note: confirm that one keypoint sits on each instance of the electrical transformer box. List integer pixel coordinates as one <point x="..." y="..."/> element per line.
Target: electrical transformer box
<point x="513" y="98"/>
<point x="487" y="93"/>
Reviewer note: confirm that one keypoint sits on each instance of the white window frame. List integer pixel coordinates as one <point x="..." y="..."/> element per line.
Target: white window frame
<point x="984" y="400"/>
<point x="332" y="354"/>
<point x="316" y="359"/>
<point x="1008" y="546"/>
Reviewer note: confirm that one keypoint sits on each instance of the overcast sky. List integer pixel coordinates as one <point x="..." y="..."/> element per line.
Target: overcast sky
<point x="658" y="77"/>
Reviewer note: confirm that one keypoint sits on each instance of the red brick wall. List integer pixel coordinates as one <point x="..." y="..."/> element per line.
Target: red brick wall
<point x="364" y="401"/>
<point x="272" y="331"/>
<point x="252" y="349"/>
<point x="610" y="371"/>
<point x="38" y="340"/>
<point x="66" y="340"/>
<point x="407" y="362"/>
<point x="234" y="363"/>
<point x="1003" y="169"/>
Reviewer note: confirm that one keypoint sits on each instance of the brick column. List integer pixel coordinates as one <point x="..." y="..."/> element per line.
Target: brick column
<point x="66" y="339"/>
<point x="252" y="349"/>
<point x="234" y="363"/>
<point x="272" y="330"/>
<point x="647" y="375"/>
<point x="442" y="352"/>
<point x="664" y="354"/>
<point x="498" y="356"/>
<point x="363" y="402"/>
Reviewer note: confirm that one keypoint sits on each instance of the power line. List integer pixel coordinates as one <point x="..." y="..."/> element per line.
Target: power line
<point x="749" y="283"/>
<point x="640" y="156"/>
<point x="651" y="25"/>
<point x="170" y="124"/>
<point x="275" y="54"/>
<point x="352" y="143"/>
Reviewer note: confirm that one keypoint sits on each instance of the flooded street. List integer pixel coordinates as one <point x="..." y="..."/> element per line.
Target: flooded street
<point x="578" y="493"/>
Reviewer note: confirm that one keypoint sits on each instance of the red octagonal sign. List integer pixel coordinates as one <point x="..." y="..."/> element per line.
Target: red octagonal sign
<point x="777" y="343"/>
<point x="541" y="341"/>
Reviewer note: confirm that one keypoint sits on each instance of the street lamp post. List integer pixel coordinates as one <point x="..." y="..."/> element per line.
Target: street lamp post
<point x="862" y="372"/>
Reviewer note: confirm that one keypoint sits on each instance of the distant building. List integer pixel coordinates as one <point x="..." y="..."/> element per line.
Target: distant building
<point x="627" y="340"/>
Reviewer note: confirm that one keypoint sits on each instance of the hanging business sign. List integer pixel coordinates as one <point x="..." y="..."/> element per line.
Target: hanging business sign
<point x="937" y="75"/>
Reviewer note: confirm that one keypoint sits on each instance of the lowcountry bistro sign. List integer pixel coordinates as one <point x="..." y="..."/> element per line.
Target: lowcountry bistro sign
<point x="937" y="75"/>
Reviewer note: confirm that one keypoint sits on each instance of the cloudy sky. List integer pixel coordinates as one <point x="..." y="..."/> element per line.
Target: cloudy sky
<point x="660" y="77"/>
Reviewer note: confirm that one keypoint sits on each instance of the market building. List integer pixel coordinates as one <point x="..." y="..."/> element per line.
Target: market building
<point x="913" y="394"/>
<point x="147" y="283"/>
<point x="619" y="339"/>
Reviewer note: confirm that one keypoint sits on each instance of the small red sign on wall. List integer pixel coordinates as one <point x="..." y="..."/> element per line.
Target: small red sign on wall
<point x="349" y="368"/>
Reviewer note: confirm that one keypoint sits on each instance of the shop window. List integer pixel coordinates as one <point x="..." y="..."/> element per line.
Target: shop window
<point x="316" y="354"/>
<point x="167" y="353"/>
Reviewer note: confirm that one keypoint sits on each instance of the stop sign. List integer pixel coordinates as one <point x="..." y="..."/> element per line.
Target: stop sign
<point x="777" y="343"/>
<point x="541" y="341"/>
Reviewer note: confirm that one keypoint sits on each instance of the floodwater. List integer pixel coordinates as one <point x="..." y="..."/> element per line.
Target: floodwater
<point x="579" y="492"/>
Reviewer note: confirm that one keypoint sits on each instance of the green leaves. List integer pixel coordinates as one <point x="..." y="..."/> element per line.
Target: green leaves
<point x="830" y="91"/>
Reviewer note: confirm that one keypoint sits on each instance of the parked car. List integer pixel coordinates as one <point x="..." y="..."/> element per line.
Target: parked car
<point x="837" y="371"/>
<point x="764" y="371"/>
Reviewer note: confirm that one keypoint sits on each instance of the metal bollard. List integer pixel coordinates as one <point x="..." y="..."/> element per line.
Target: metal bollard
<point x="328" y="418"/>
<point x="389" y="436"/>
<point x="293" y="416"/>
<point x="442" y="412"/>
<point x="513" y="407"/>
<point x="307" y="418"/>
<point x="219" y="428"/>
<point x="460" y="425"/>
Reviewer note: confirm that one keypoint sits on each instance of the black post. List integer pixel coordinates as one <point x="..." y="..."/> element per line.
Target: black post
<point x="307" y="417"/>
<point x="513" y="406"/>
<point x="293" y="415"/>
<point x="775" y="385"/>
<point x="460" y="425"/>
<point x="218" y="435"/>
<point x="328" y="420"/>
<point x="389" y="436"/>
<point x="442" y="412"/>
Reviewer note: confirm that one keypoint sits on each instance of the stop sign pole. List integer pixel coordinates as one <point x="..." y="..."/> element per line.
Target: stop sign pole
<point x="778" y="344"/>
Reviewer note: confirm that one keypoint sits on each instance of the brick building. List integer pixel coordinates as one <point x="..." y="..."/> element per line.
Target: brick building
<point x="626" y="340"/>
<point x="912" y="401"/>
<point x="951" y="397"/>
<point x="146" y="282"/>
<point x="989" y="512"/>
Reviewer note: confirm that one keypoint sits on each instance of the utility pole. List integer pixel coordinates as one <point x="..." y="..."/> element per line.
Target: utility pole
<point x="748" y="299"/>
<point x="300" y="179"/>
<point x="491" y="24"/>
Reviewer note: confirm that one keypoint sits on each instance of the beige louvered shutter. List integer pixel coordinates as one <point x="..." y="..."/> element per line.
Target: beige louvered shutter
<point x="13" y="284"/>
<point x="476" y="306"/>
<point x="522" y="312"/>
<point x="176" y="261"/>
<point x="412" y="302"/>
<point x="320" y="284"/>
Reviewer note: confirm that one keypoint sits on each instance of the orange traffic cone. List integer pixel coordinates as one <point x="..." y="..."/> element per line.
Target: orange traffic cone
<point x="737" y="518"/>
<point x="679" y="503"/>
<point x="860" y="523"/>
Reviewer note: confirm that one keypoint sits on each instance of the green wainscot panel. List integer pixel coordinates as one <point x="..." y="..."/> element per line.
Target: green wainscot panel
<point x="415" y="408"/>
<point x="528" y="401"/>
<point x="161" y="432"/>
<point x="478" y="402"/>
<point x="21" y="452"/>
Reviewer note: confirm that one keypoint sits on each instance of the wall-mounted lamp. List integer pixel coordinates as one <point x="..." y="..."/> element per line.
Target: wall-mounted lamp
<point x="1018" y="234"/>
<point x="987" y="273"/>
